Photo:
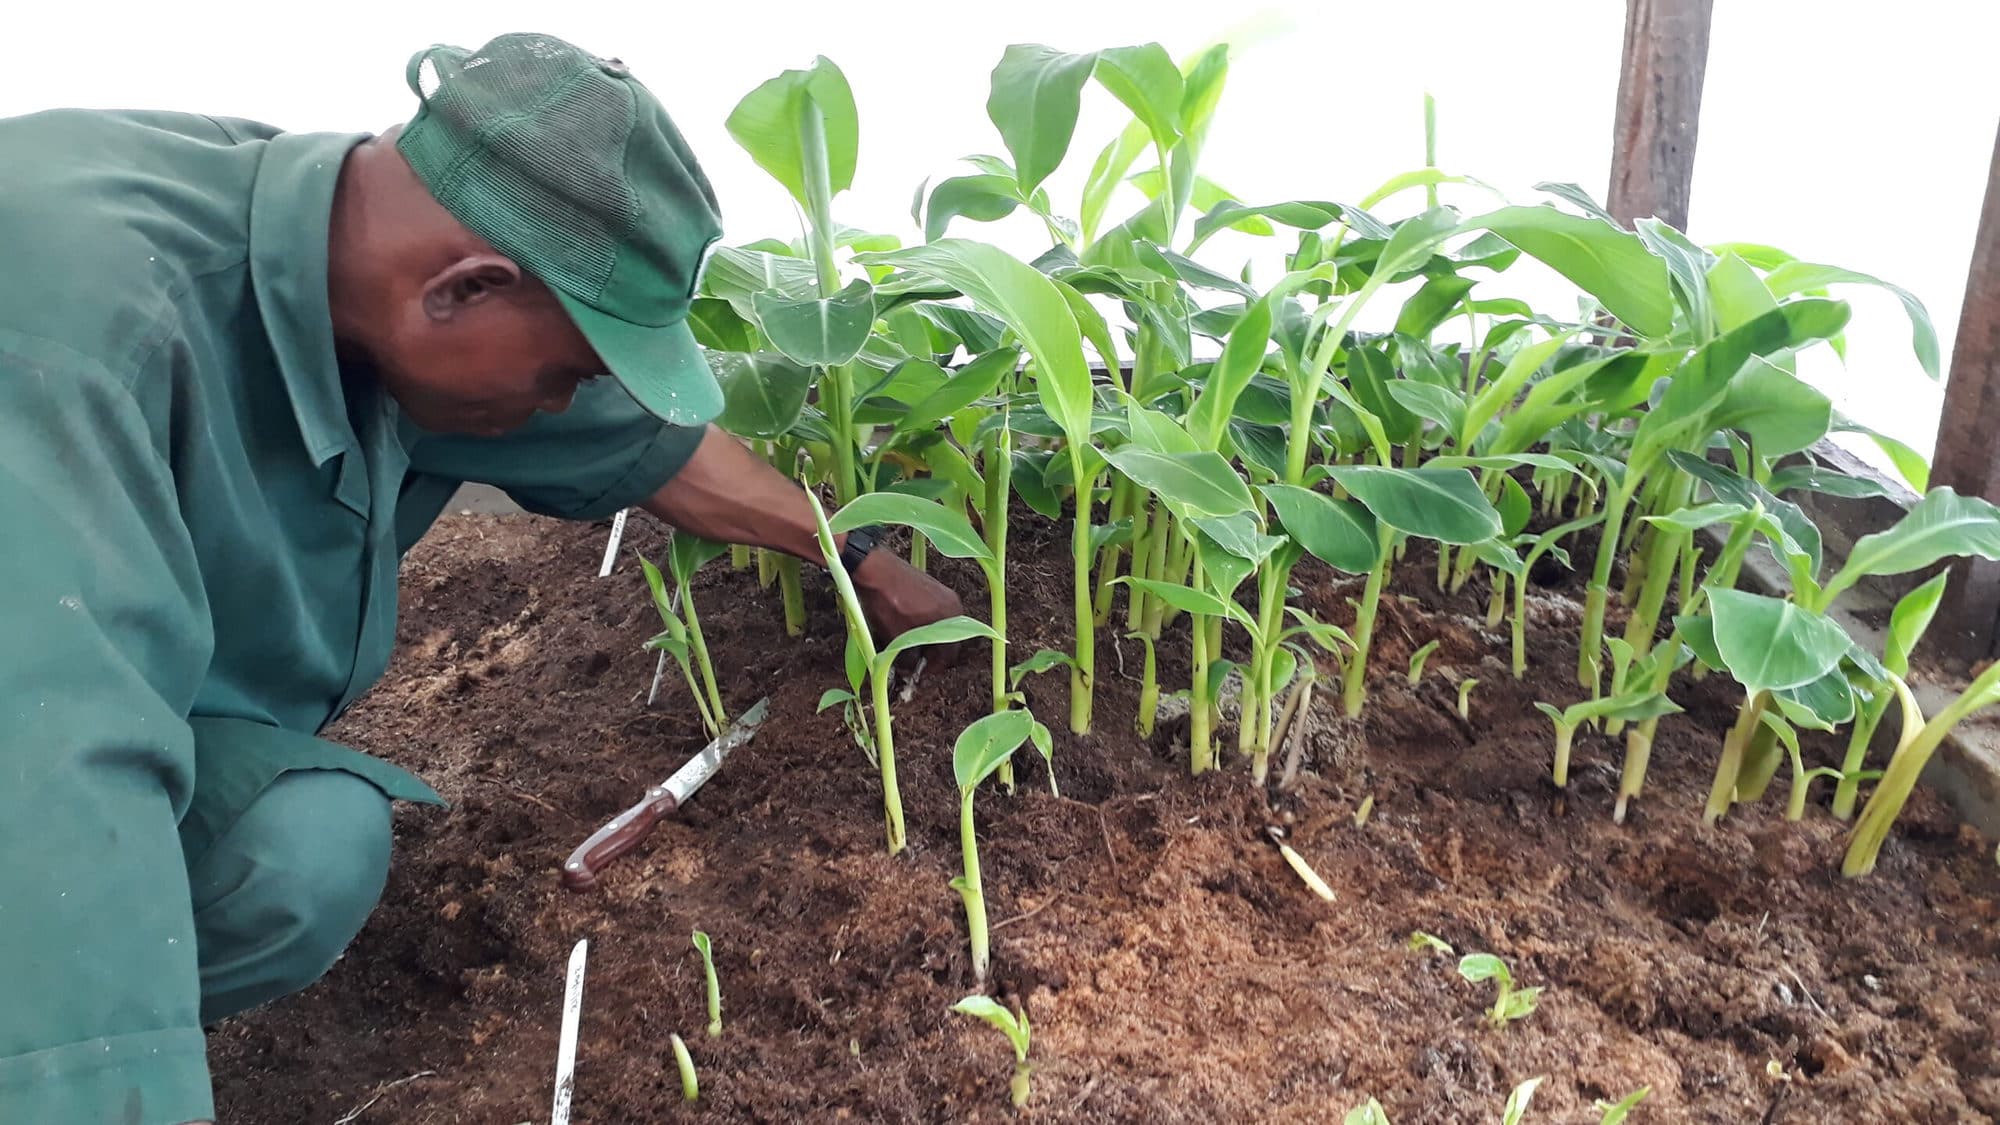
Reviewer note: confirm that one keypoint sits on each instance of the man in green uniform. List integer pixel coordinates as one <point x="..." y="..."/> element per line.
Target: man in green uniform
<point x="241" y="371"/>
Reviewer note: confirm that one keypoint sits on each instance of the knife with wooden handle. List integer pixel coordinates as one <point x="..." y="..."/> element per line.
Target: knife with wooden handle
<point x="625" y="830"/>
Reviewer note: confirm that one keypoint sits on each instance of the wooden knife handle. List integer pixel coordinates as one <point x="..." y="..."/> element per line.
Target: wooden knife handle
<point x="580" y="871"/>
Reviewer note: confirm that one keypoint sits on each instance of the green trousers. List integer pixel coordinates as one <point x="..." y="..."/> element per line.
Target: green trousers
<point x="282" y="890"/>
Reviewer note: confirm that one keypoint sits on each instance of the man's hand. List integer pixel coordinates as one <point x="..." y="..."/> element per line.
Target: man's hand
<point x="897" y="597"/>
<point x="729" y="494"/>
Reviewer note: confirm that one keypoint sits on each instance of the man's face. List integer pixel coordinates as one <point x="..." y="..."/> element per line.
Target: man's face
<point x="481" y="349"/>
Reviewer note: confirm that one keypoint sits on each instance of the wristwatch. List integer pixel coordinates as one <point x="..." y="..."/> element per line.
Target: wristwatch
<point x="859" y="543"/>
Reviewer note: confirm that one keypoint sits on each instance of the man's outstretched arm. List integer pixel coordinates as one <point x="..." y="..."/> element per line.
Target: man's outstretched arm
<point x="727" y="493"/>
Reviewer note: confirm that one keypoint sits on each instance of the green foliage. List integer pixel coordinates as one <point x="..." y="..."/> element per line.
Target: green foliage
<point x="1509" y="1003"/>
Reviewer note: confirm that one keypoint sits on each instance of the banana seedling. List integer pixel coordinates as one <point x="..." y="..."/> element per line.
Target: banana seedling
<point x="1014" y="1025"/>
<point x="1510" y="1003"/>
<point x="865" y="661"/>
<point x="980" y="750"/>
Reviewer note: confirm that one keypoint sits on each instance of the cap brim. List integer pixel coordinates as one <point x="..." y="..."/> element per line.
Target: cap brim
<point x="663" y="369"/>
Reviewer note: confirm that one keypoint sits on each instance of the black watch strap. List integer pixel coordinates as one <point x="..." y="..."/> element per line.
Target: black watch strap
<point x="859" y="543"/>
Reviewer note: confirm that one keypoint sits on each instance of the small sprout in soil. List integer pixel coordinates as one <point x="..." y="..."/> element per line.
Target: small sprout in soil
<point x="1616" y="1114"/>
<point x="1370" y="1113"/>
<point x="1776" y="1069"/>
<point x="1361" y="814"/>
<point x="1512" y="1003"/>
<point x="1465" y="687"/>
<point x="1299" y="865"/>
<point x="981" y="749"/>
<point x="690" y="1088"/>
<point x="1014" y="1025"/>
<point x="1517" y="1102"/>
<point x="701" y="943"/>
<point x="1418" y="659"/>
<point x="1639" y="705"/>
<point x="1420" y="940"/>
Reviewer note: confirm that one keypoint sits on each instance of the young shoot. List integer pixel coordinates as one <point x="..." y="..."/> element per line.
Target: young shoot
<point x="681" y="639"/>
<point x="1632" y="707"/>
<point x="1465" y="687"/>
<point x="1014" y="1025"/>
<point x="879" y="665"/>
<point x="714" y="988"/>
<point x="684" y="1062"/>
<point x="1367" y="1113"/>
<point x="1420" y="940"/>
<point x="1616" y="1113"/>
<point x="981" y="748"/>
<point x="1516" y="1108"/>
<point x="1511" y="1003"/>
<point x="1918" y="742"/>
<point x="1418" y="659"/>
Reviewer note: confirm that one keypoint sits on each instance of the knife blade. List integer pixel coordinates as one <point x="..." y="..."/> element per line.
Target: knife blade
<point x="581" y="869"/>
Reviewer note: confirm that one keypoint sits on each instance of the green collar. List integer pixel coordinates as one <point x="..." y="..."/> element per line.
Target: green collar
<point x="291" y="211"/>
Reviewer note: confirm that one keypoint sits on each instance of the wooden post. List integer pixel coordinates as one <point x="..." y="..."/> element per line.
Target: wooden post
<point x="1659" y="107"/>
<point x="1967" y="457"/>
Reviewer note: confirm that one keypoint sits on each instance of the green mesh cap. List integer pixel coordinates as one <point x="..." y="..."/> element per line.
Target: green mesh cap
<point x="565" y="163"/>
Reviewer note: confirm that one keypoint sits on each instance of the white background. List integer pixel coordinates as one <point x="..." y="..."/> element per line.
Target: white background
<point x="1857" y="134"/>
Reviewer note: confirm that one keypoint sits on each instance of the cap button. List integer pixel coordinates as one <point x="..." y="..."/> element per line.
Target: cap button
<point x="614" y="67"/>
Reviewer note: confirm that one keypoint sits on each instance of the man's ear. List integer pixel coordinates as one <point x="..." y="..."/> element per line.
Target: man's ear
<point x="469" y="281"/>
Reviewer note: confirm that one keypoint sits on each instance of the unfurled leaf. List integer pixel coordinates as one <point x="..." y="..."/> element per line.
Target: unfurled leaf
<point x="1340" y="534"/>
<point x="1775" y="410"/>
<point x="1799" y="277"/>
<point x="736" y="275"/>
<point x="988" y="1009"/>
<point x="1305" y="215"/>
<point x="834" y="697"/>
<point x="948" y="631"/>
<point x="948" y="530"/>
<point x="1943" y="525"/>
<point x="762" y="393"/>
<point x="982" y="198"/>
<point x="1189" y="600"/>
<point x="1477" y="967"/>
<point x="1698" y="633"/>
<point x="986" y="743"/>
<point x="1029" y="304"/>
<point x="1813" y="478"/>
<point x="1044" y="660"/>
<point x="1700" y="382"/>
<point x="967" y="385"/>
<point x="1036" y="92"/>
<point x="1823" y="704"/>
<point x="1770" y="645"/>
<point x="1147" y="81"/>
<point x="767" y="123"/>
<point x="818" y="332"/>
<point x="1912" y="466"/>
<point x="1442" y="405"/>
<point x="1238" y="535"/>
<point x="1441" y="504"/>
<point x="1604" y="260"/>
<point x="1194" y="484"/>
